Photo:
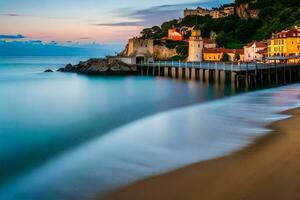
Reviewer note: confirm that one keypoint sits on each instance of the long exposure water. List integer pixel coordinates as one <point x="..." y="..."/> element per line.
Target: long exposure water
<point x="68" y="136"/>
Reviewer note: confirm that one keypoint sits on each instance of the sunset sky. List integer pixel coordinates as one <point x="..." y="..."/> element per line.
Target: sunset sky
<point x="87" y="21"/>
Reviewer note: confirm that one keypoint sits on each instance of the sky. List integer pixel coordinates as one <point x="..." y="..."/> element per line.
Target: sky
<point x="87" y="21"/>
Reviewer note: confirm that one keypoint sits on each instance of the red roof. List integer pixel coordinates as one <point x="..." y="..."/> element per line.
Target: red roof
<point x="208" y="41"/>
<point x="287" y="33"/>
<point x="263" y="51"/>
<point x="261" y="44"/>
<point x="223" y="50"/>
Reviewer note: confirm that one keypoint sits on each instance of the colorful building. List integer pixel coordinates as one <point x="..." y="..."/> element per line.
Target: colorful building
<point x="216" y="54"/>
<point x="174" y="34"/>
<point x="252" y="50"/>
<point x="285" y="43"/>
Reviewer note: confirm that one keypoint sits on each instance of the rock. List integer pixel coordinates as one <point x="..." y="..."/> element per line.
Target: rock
<point x="69" y="67"/>
<point x="48" y="70"/>
<point x="100" y="67"/>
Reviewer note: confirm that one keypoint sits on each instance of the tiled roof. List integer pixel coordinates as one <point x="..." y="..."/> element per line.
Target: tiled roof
<point x="261" y="44"/>
<point x="208" y="41"/>
<point x="294" y="32"/>
<point x="223" y="50"/>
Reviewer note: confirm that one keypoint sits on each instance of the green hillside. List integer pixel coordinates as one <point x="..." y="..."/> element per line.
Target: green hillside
<point x="234" y="31"/>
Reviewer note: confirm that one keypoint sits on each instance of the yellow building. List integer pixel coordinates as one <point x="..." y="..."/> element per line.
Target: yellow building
<point x="215" y="54"/>
<point x="285" y="43"/>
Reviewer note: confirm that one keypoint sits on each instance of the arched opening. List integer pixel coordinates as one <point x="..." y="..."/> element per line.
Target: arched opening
<point x="140" y="59"/>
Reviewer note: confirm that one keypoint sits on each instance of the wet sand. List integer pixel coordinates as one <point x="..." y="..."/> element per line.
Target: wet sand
<point x="268" y="169"/>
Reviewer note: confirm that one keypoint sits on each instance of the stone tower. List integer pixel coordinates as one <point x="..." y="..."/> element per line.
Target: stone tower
<point x="195" y="46"/>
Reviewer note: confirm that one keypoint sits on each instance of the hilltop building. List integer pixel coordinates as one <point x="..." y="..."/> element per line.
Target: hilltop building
<point x="227" y="11"/>
<point x="175" y="34"/>
<point x="285" y="43"/>
<point x="254" y="51"/>
<point x="196" y="12"/>
<point x="214" y="13"/>
<point x="195" y="46"/>
<point x="137" y="51"/>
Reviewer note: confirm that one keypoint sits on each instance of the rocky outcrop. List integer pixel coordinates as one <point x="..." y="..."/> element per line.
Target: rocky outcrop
<point x="163" y="53"/>
<point x="48" y="70"/>
<point x="244" y="12"/>
<point x="101" y="67"/>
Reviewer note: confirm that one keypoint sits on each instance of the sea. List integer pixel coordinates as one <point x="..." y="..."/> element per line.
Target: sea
<point x="70" y="136"/>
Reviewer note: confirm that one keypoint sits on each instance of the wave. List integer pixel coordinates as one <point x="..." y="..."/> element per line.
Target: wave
<point x="155" y="145"/>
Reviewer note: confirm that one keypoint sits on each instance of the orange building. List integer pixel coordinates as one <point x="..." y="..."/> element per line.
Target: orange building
<point x="174" y="34"/>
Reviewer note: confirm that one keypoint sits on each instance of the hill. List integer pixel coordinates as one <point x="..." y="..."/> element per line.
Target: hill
<point x="253" y="20"/>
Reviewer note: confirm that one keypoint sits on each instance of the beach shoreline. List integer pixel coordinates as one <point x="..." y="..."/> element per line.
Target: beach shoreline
<point x="268" y="169"/>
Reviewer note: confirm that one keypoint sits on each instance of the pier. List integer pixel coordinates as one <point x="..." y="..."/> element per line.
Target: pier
<point x="241" y="75"/>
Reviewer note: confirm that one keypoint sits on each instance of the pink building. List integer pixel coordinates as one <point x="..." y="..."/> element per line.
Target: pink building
<point x="252" y="51"/>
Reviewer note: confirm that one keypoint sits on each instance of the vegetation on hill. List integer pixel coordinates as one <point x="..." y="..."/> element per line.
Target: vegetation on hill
<point x="234" y="32"/>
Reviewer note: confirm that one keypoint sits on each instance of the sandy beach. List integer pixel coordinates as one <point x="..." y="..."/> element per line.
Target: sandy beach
<point x="268" y="169"/>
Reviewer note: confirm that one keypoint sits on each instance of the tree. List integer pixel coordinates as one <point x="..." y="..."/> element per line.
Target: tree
<point x="237" y="57"/>
<point x="225" y="57"/>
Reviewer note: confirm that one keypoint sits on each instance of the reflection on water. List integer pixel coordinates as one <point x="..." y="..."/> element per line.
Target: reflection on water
<point x="73" y="137"/>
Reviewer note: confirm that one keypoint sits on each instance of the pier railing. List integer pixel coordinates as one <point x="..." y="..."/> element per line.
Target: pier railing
<point x="241" y="74"/>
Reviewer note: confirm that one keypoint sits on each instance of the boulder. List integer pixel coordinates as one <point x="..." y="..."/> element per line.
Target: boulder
<point x="48" y="70"/>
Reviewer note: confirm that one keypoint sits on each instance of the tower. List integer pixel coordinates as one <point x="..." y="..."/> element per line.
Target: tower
<point x="195" y="45"/>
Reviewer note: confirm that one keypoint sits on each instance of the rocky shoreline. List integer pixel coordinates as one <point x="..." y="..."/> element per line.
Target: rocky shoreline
<point x="97" y="66"/>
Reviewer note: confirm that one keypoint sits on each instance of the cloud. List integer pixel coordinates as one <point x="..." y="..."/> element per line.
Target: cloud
<point x="19" y="36"/>
<point x="84" y="38"/>
<point x="158" y="14"/>
<point x="11" y="15"/>
<point x="138" y="23"/>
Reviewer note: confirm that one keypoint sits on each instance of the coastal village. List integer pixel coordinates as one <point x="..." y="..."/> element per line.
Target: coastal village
<point x="283" y="46"/>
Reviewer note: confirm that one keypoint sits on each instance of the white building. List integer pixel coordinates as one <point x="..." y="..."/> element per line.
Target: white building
<point x="195" y="46"/>
<point x="252" y="50"/>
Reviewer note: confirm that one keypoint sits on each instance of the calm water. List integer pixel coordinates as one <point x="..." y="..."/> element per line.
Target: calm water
<point x="66" y="136"/>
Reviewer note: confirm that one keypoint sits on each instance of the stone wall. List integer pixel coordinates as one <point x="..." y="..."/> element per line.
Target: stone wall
<point x="163" y="53"/>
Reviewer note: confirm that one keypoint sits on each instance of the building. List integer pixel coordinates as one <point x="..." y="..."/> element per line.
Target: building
<point x="209" y="43"/>
<point x="216" y="54"/>
<point x="252" y="50"/>
<point x="212" y="55"/>
<point x="196" y="12"/>
<point x="227" y="11"/>
<point x="214" y="13"/>
<point x="195" y="46"/>
<point x="175" y="34"/>
<point x="263" y="54"/>
<point x="137" y="51"/>
<point x="285" y="43"/>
